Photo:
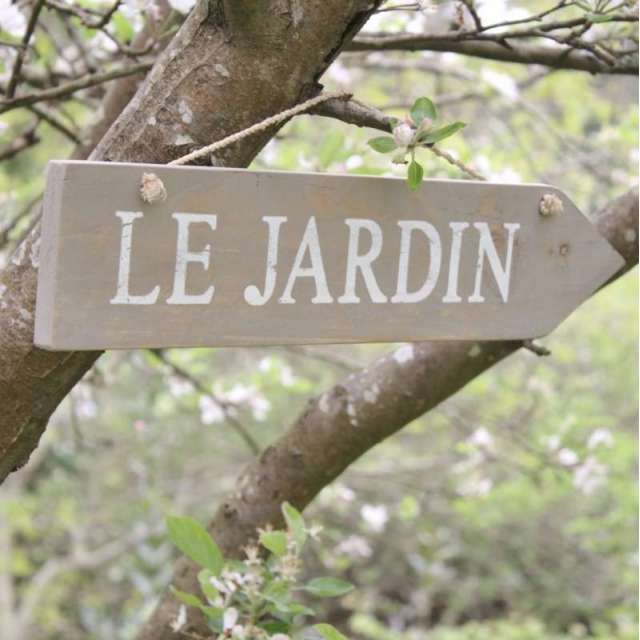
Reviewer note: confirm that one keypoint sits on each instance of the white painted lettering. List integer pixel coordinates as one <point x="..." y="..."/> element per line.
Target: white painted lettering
<point x="252" y="294"/>
<point x="310" y="244"/>
<point x="457" y="229"/>
<point x="179" y="294"/>
<point x="435" y="260"/>
<point x="124" y="266"/>
<point x="362" y="263"/>
<point x="487" y="248"/>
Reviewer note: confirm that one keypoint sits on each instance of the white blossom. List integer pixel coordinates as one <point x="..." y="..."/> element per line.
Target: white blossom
<point x="260" y="407"/>
<point x="182" y="6"/>
<point x="353" y="162"/>
<point x="589" y="475"/>
<point x="475" y="486"/>
<point x="355" y="547"/>
<point x="600" y="437"/>
<point x="179" y="387"/>
<point x="376" y="516"/>
<point x="180" y="619"/>
<point x="210" y="410"/>
<point x="286" y="377"/>
<point x="482" y="439"/>
<point x="504" y="84"/>
<point x="567" y="457"/>
<point x="230" y="618"/>
<point x="11" y="19"/>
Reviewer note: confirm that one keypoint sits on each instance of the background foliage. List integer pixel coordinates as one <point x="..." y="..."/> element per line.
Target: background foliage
<point x="508" y="513"/>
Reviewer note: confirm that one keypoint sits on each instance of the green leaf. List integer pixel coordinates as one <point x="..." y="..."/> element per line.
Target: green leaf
<point x="423" y="108"/>
<point x="431" y="137"/>
<point x="295" y="523"/>
<point x="214" y="614"/>
<point x="193" y="540"/>
<point x="383" y="144"/>
<point x="274" y="541"/>
<point x="298" y="609"/>
<point x="188" y="598"/>
<point x="278" y="592"/>
<point x="329" y="632"/>
<point x="328" y="587"/>
<point x="123" y="26"/>
<point x="415" y="173"/>
<point x="274" y="626"/>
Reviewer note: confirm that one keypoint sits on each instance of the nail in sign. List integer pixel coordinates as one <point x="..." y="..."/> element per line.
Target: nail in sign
<point x="237" y="257"/>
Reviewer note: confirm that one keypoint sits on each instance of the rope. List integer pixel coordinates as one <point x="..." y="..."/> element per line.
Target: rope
<point x="260" y="126"/>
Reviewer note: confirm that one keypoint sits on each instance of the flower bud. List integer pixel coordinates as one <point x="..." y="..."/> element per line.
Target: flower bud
<point x="403" y="134"/>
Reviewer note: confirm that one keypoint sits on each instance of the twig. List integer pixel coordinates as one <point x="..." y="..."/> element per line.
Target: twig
<point x="86" y="14"/>
<point x="235" y="424"/>
<point x="339" y="362"/>
<point x="52" y="120"/>
<point x="21" y="142"/>
<point x="445" y="155"/>
<point x="22" y="51"/>
<point x="5" y="230"/>
<point x="354" y="112"/>
<point x="495" y="48"/>
<point x="535" y="348"/>
<point x="63" y="90"/>
<point x="473" y="13"/>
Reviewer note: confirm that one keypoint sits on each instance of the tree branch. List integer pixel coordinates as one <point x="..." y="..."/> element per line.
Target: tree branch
<point x="361" y="115"/>
<point x="22" y="50"/>
<point x="26" y="139"/>
<point x="63" y="90"/>
<point x="555" y="57"/>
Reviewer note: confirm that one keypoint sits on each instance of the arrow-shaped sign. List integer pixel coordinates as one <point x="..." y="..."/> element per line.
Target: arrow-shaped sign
<point x="237" y="257"/>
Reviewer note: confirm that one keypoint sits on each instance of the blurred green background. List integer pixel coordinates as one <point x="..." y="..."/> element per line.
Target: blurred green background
<point x="508" y="513"/>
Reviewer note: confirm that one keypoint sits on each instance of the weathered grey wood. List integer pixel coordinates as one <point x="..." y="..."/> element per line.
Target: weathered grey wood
<point x="557" y="261"/>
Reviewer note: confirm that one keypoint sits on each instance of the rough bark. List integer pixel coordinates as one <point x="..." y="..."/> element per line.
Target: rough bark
<point x="232" y="63"/>
<point x="343" y="423"/>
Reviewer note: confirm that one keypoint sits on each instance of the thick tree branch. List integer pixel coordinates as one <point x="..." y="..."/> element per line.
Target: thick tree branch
<point x="355" y="415"/>
<point x="554" y="57"/>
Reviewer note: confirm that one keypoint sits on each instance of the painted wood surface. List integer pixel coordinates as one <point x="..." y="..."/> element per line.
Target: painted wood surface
<point x="238" y="257"/>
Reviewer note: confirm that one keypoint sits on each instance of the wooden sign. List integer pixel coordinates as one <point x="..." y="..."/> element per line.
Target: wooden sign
<point x="237" y="257"/>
